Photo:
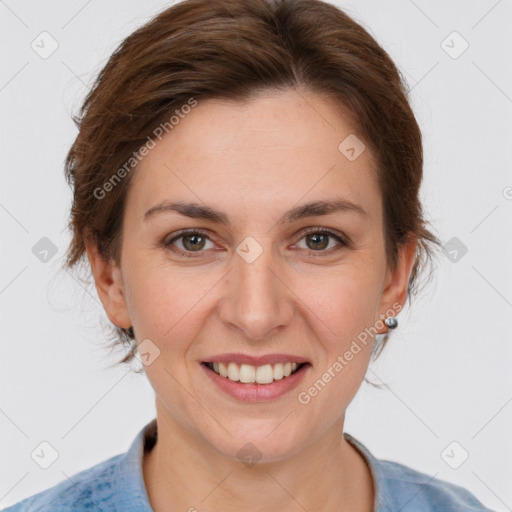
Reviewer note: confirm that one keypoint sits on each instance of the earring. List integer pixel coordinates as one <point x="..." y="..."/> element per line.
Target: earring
<point x="391" y="322"/>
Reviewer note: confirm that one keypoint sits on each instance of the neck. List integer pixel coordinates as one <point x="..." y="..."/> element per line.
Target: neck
<point x="182" y="472"/>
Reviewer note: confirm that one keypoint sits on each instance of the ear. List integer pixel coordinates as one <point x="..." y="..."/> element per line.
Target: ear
<point x="394" y="293"/>
<point x="109" y="285"/>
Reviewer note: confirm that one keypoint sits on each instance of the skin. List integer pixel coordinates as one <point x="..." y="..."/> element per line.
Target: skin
<point x="254" y="161"/>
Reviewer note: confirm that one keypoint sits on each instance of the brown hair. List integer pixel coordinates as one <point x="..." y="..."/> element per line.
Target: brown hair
<point x="231" y="49"/>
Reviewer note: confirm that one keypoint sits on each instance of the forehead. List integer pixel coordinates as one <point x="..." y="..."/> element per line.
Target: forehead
<point x="279" y="148"/>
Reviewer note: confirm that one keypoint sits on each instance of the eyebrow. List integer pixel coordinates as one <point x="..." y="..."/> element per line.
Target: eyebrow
<point x="311" y="209"/>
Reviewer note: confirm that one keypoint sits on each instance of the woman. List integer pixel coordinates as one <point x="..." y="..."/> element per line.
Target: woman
<point x="246" y="190"/>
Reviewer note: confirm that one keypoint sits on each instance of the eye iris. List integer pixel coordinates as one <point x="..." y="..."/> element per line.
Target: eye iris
<point x="194" y="237"/>
<point x="317" y="236"/>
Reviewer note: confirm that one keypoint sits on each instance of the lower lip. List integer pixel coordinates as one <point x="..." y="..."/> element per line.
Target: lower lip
<point x="257" y="392"/>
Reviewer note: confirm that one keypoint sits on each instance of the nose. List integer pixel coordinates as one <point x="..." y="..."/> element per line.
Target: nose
<point x="257" y="302"/>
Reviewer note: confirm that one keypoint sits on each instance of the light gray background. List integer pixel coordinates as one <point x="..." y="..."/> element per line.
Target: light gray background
<point x="447" y="365"/>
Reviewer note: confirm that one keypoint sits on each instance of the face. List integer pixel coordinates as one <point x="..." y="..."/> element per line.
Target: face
<point x="251" y="279"/>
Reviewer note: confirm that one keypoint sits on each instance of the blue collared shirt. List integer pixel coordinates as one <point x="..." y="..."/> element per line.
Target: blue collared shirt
<point x="117" y="484"/>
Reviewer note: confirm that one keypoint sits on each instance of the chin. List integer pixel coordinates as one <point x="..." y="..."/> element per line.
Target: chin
<point x="264" y="443"/>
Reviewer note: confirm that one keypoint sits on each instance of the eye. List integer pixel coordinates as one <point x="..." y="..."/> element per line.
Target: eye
<point x="317" y="240"/>
<point x="190" y="240"/>
<point x="195" y="240"/>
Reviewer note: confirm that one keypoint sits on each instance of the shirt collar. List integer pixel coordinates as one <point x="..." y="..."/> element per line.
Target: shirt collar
<point x="131" y="490"/>
<point x="129" y="477"/>
<point x="382" y="492"/>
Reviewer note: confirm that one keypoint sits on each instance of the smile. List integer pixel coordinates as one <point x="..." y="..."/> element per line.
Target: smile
<point x="249" y="374"/>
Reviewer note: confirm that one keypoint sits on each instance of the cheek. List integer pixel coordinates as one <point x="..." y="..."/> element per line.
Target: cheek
<point x="340" y="316"/>
<point x="166" y="304"/>
<point x="340" y="312"/>
<point x="341" y="303"/>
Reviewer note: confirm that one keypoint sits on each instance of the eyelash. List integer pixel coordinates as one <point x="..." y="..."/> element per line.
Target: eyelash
<point x="344" y="241"/>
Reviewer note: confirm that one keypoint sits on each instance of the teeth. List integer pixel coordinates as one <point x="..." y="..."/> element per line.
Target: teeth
<point x="278" y="371"/>
<point x="233" y="372"/>
<point x="223" y="370"/>
<point x="264" y="374"/>
<point x="249" y="374"/>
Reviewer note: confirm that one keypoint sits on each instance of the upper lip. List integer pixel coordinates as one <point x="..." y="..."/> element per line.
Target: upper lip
<point x="256" y="360"/>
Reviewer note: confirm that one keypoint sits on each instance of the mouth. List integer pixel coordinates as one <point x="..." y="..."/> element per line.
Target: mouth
<point x="248" y="374"/>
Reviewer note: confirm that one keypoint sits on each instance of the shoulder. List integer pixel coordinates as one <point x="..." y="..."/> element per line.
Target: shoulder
<point x="90" y="489"/>
<point x="400" y="487"/>
<point x="409" y="490"/>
